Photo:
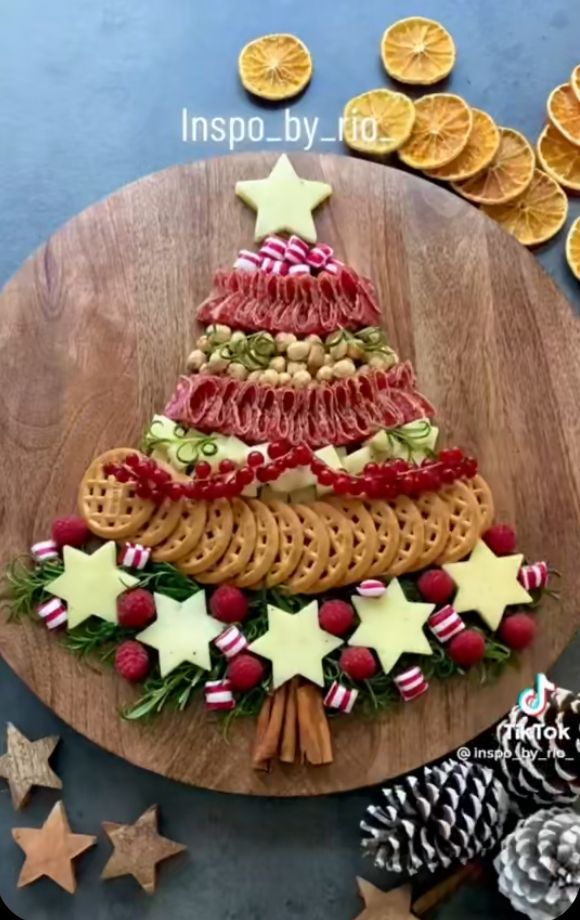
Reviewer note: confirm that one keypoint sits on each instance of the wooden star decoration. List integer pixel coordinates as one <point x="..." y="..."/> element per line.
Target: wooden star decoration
<point x="50" y="850"/>
<point x="25" y="765"/>
<point x="284" y="201"/>
<point x="385" y="905"/>
<point x="138" y="848"/>
<point x="487" y="584"/>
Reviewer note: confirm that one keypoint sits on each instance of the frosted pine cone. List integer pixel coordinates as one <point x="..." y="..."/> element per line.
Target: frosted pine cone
<point x="539" y="864"/>
<point x="439" y="816"/>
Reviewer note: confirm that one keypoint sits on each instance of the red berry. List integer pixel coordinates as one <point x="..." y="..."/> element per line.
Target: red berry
<point x="109" y="469"/>
<point x="356" y="486"/>
<point x="448" y="474"/>
<point x="228" y="604"/>
<point x="302" y="454"/>
<point x="160" y="476"/>
<point x="70" y="531"/>
<point x="336" y="617"/>
<point x="428" y="480"/>
<point x="133" y="461"/>
<point x="371" y="469"/>
<point x="278" y="449"/>
<point x="342" y="485"/>
<point x="122" y="475"/>
<point x="226" y="466"/>
<point x="255" y="459"/>
<point x="449" y="456"/>
<point x="325" y="477"/>
<point x="469" y="467"/>
<point x="244" y="477"/>
<point x="132" y="661"/>
<point x="467" y="648"/>
<point x="202" y="469"/>
<point x="517" y="631"/>
<point x="317" y="465"/>
<point x="135" y="608"/>
<point x="217" y="489"/>
<point x="358" y="663"/>
<point x="436" y="586"/>
<point x="175" y="491"/>
<point x="387" y="473"/>
<point x="401" y="466"/>
<point x="143" y="490"/>
<point x="245" y="671"/>
<point x="231" y="488"/>
<point x="501" y="539"/>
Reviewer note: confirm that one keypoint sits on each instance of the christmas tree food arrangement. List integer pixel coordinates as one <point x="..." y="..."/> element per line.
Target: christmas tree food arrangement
<point x="290" y="541"/>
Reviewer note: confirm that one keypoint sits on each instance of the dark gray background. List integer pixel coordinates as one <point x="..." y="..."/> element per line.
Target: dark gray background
<point x="91" y="94"/>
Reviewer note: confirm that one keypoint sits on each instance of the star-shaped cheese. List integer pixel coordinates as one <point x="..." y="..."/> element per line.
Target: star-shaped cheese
<point x="391" y="625"/>
<point x="182" y="632"/>
<point x="284" y="201"/>
<point x="487" y="584"/>
<point x="295" y="644"/>
<point x="91" y="584"/>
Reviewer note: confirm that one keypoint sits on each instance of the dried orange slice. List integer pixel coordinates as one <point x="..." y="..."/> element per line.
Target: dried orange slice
<point x="507" y="176"/>
<point x="564" y="112"/>
<point x="573" y="248"/>
<point x="559" y="158"/>
<point x="275" y="66"/>
<point x="575" y="81"/>
<point x="481" y="147"/>
<point x="417" y="50"/>
<point x="378" y="122"/>
<point x="537" y="215"/>
<point x="443" y="123"/>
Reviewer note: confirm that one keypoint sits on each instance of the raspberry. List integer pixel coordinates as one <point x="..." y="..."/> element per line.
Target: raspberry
<point x="336" y="617"/>
<point x="501" y="539"/>
<point x="135" y="608"/>
<point x="436" y="586"/>
<point x="132" y="661"/>
<point x="517" y="631"/>
<point x="70" y="531"/>
<point x="244" y="672"/>
<point x="467" y="648"/>
<point x="228" y="604"/>
<point x="358" y="663"/>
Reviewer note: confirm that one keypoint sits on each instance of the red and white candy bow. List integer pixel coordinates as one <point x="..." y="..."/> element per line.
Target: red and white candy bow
<point x="533" y="576"/>
<point x="231" y="642"/>
<point x="134" y="556"/>
<point x="278" y="256"/>
<point x="446" y="623"/>
<point x="218" y="695"/>
<point x="45" y="550"/>
<point x="53" y="613"/>
<point x="411" y="684"/>
<point x="340" y="697"/>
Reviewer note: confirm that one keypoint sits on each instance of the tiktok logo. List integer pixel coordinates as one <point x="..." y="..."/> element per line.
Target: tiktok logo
<point x="534" y="700"/>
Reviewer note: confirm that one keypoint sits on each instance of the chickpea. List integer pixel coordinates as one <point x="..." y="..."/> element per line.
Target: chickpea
<point x="203" y="344"/>
<point x="324" y="374"/>
<point x="294" y="367"/>
<point x="283" y="340"/>
<point x="378" y="360"/>
<point x="328" y="361"/>
<point x="238" y="371"/>
<point x="237" y="337"/>
<point x="284" y="379"/>
<point x="278" y="364"/>
<point x="195" y="360"/>
<point x="270" y="377"/>
<point x="339" y="351"/>
<point x="301" y="380"/>
<point x="217" y="363"/>
<point x="254" y="375"/>
<point x="315" y="339"/>
<point x="355" y="351"/>
<point x="218" y="333"/>
<point x="344" y="368"/>
<point x="298" y="351"/>
<point x="316" y="357"/>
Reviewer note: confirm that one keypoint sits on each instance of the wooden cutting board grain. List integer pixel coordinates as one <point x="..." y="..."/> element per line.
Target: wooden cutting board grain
<point x="95" y="328"/>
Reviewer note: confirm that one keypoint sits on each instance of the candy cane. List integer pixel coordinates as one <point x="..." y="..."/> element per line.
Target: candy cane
<point x="231" y="642"/>
<point x="218" y="695"/>
<point x="533" y="576"/>
<point x="411" y="684"/>
<point x="446" y="623"/>
<point x="53" y="613"/>
<point x="134" y="556"/>
<point x="45" y="550"/>
<point x="340" y="697"/>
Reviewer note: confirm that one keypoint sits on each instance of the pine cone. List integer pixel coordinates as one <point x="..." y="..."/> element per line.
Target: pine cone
<point x="442" y="815"/>
<point x="550" y="774"/>
<point x="539" y="864"/>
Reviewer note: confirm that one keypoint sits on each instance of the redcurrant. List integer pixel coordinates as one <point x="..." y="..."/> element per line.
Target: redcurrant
<point x="255" y="459"/>
<point x="245" y="476"/>
<point x="325" y="477"/>
<point x="202" y="469"/>
<point x="226" y="466"/>
<point x="450" y="456"/>
<point x="277" y="449"/>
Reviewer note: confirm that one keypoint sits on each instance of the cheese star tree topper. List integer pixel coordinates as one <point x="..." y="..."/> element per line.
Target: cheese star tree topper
<point x="295" y="644"/>
<point x="182" y="632"/>
<point x="487" y="584"/>
<point x="391" y="625"/>
<point x="284" y="201"/>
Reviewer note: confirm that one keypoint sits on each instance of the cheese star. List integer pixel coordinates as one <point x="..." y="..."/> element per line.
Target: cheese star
<point x="295" y="644"/>
<point x="181" y="632"/>
<point x="91" y="584"/>
<point x="487" y="584"/>
<point x="391" y="625"/>
<point x="284" y="201"/>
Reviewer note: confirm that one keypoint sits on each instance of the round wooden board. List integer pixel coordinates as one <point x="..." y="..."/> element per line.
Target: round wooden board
<point x="95" y="330"/>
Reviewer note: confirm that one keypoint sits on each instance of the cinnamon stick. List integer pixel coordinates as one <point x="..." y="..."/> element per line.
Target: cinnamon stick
<point x="270" y="741"/>
<point x="261" y="729"/>
<point x="314" y="733"/>
<point x="290" y="730"/>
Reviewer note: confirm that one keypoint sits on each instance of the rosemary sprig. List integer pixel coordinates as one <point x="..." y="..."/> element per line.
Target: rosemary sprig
<point x="25" y="584"/>
<point x="96" y="637"/>
<point x="175" y="689"/>
<point x="163" y="578"/>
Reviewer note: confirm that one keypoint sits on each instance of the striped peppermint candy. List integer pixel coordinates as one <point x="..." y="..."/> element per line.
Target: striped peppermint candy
<point x="45" y="550"/>
<point x="411" y="684"/>
<point x="231" y="642"/>
<point x="300" y="268"/>
<point x="371" y="587"/>
<point x="274" y="266"/>
<point x="53" y="613"/>
<point x="296" y="251"/>
<point x="134" y="556"/>
<point x="446" y="623"/>
<point x="333" y="266"/>
<point x="340" y="697"/>
<point x="273" y="247"/>
<point x="533" y="576"/>
<point x="218" y="695"/>
<point x="247" y="261"/>
<point x="319" y="255"/>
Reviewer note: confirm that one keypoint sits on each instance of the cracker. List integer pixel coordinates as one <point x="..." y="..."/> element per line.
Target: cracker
<point x="112" y="509"/>
<point x="238" y="551"/>
<point x="160" y="525"/>
<point x="365" y="539"/>
<point x="341" y="538"/>
<point x="484" y="499"/>
<point x="464" y="522"/>
<point x="388" y="536"/>
<point x="290" y="544"/>
<point x="412" y="535"/>
<point x="266" y="546"/>
<point x="185" y="535"/>
<point x="213" y="540"/>
<point x="435" y="514"/>
<point x="315" y="551"/>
